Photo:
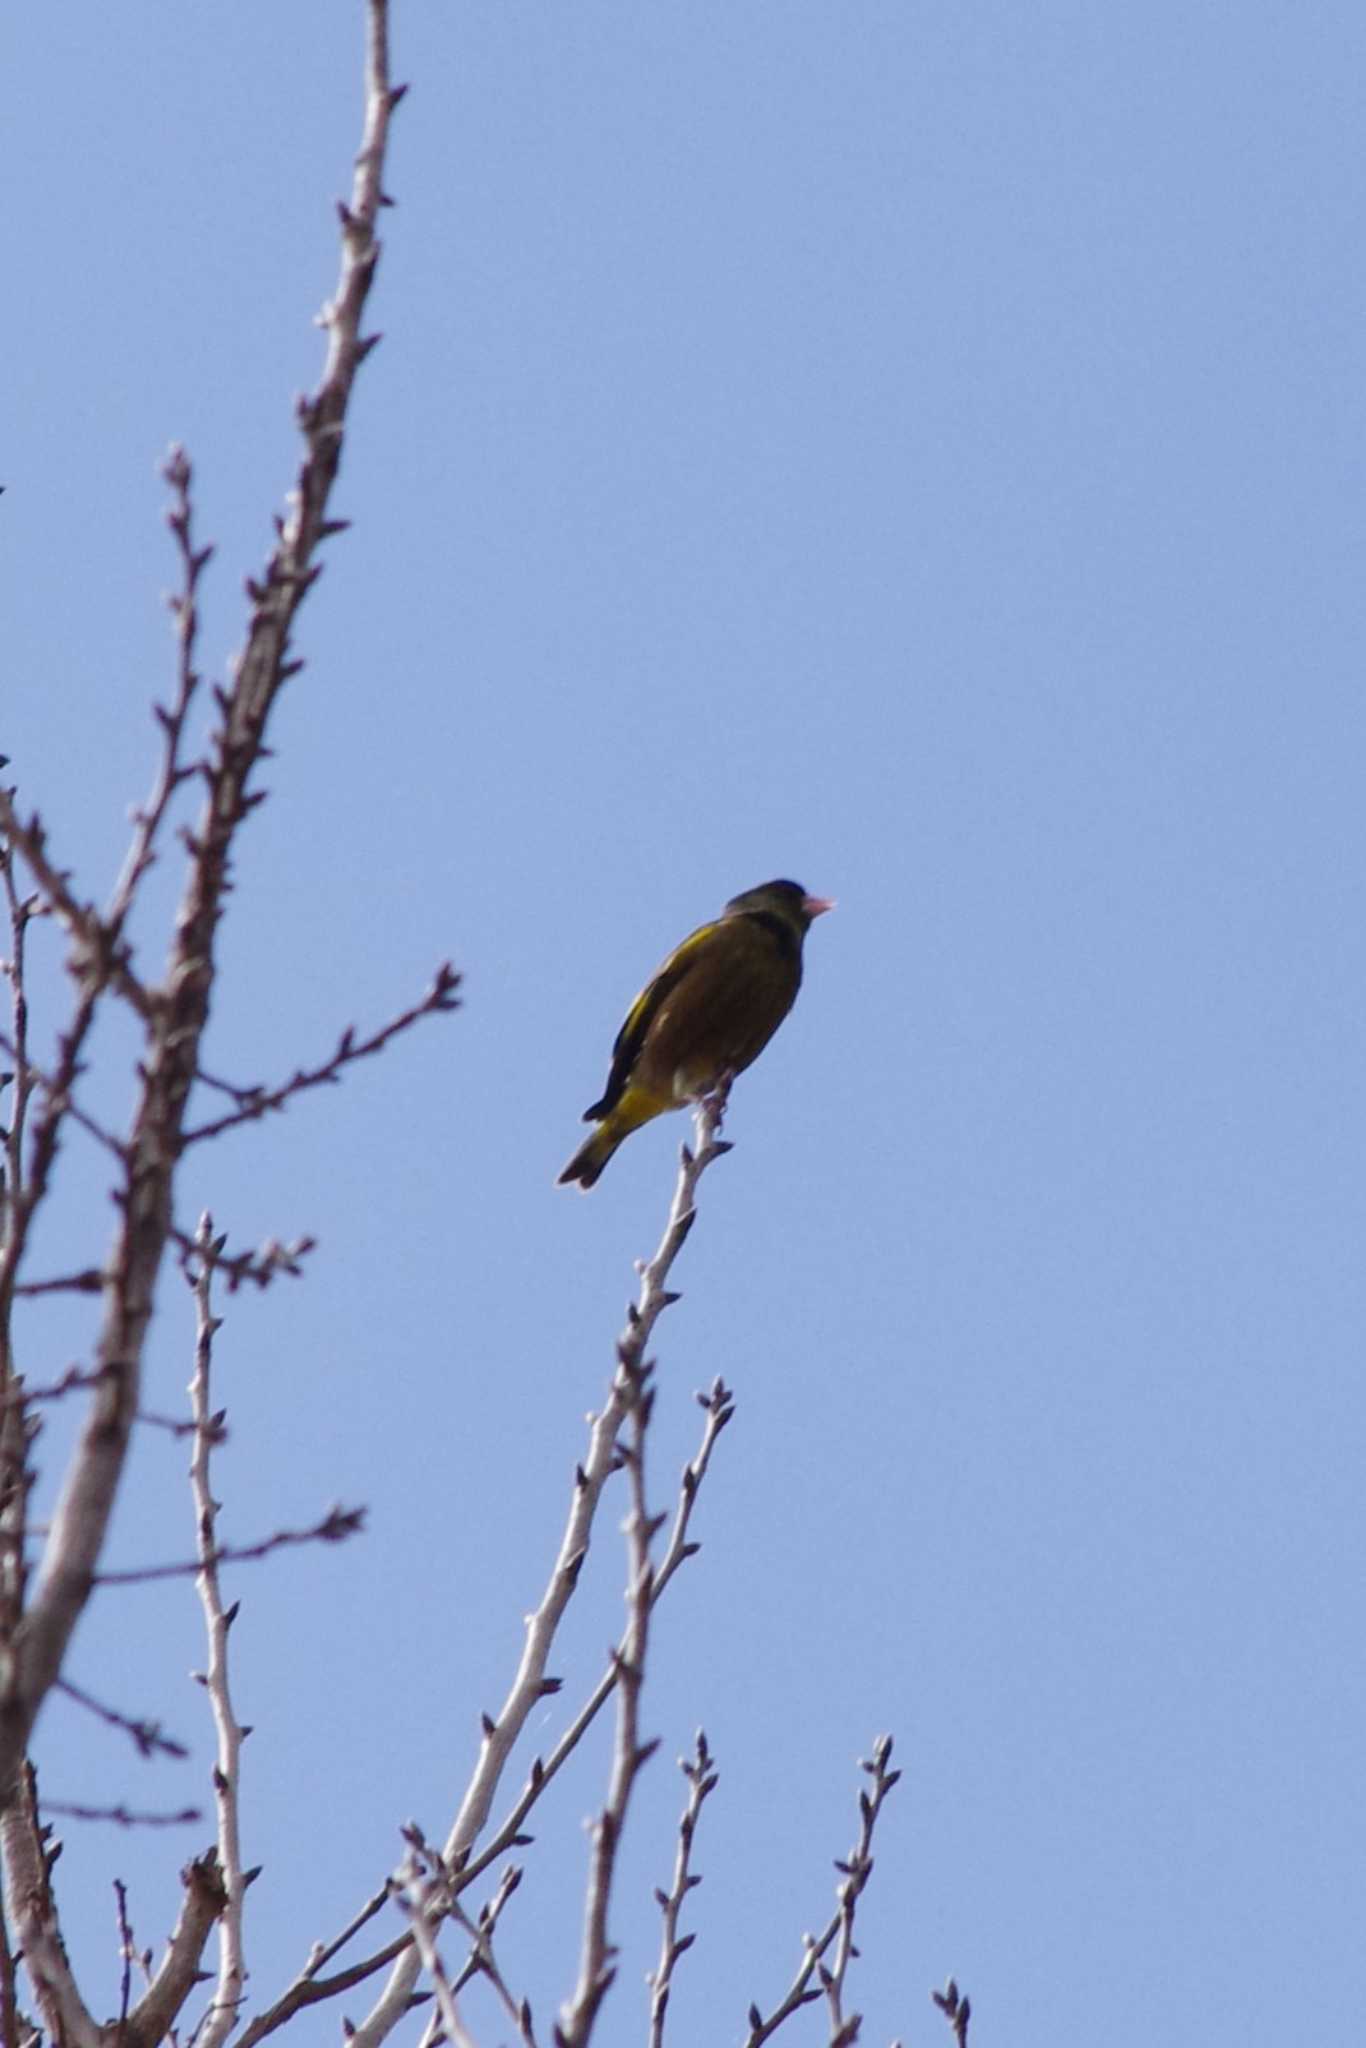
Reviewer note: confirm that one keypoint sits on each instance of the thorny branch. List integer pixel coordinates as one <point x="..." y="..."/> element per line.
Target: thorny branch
<point x="701" y="1774"/>
<point x="854" y="1874"/>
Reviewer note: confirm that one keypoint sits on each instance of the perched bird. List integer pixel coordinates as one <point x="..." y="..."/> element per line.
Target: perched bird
<point x="707" y="1014"/>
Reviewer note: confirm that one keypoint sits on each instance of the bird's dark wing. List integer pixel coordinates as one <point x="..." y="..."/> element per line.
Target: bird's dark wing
<point x="641" y="1014"/>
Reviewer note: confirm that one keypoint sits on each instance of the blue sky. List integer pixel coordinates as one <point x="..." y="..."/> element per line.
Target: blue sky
<point x="914" y="449"/>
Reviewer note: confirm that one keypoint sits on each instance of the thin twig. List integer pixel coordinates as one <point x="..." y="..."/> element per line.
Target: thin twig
<point x="226" y="2003"/>
<point x="719" y="1407"/>
<point x="323" y="1951"/>
<point x="259" y="1101"/>
<point x="30" y="1191"/>
<point x="21" y="911"/>
<point x="597" y="1966"/>
<point x="854" y="1875"/>
<point x="60" y="1092"/>
<point x="956" y="2010"/>
<point x="308" y="1987"/>
<point x="16" y="1427"/>
<point x="422" y="1893"/>
<point x="531" y="1684"/>
<point x="75" y="1378"/>
<point x="147" y="1736"/>
<point x="700" y="1772"/>
<point x="101" y="958"/>
<point x="128" y="1950"/>
<point x="482" y="1961"/>
<point x="171" y="772"/>
<point x="259" y="1267"/>
<point x="124" y="1816"/>
<point x="334" y="1527"/>
<point x="89" y="1280"/>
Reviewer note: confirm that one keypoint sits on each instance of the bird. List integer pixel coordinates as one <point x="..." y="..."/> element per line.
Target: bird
<point x="703" y="1017"/>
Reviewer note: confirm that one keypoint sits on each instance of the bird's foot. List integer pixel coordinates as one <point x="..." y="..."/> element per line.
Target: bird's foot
<point x="714" y="1103"/>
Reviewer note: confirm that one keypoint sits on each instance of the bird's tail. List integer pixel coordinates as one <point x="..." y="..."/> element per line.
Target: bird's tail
<point x="634" y="1109"/>
<point x="591" y="1157"/>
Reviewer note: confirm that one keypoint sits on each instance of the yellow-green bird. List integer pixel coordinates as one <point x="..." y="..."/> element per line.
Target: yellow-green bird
<point x="709" y="1012"/>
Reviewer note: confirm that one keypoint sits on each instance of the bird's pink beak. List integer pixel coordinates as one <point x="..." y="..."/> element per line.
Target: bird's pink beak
<point x="816" y="906"/>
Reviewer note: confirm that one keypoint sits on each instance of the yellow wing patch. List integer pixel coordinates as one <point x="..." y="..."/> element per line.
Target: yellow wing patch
<point x="639" y="1017"/>
<point x="658" y="986"/>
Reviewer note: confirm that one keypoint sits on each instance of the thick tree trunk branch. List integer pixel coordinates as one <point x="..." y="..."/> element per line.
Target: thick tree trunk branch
<point x="155" y="2013"/>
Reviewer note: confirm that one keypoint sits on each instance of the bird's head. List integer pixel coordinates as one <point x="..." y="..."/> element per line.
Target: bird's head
<point x="787" y="900"/>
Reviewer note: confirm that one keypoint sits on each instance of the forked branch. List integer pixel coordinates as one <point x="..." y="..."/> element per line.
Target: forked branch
<point x="854" y="1874"/>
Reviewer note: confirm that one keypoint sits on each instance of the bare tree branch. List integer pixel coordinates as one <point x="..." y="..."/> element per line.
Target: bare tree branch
<point x="74" y="1379"/>
<point x="855" y="1873"/>
<point x="176" y="1013"/>
<point x="123" y="1816"/>
<point x="957" y="2011"/>
<point x="21" y="911"/>
<point x="719" y="1408"/>
<point x="204" y="1901"/>
<point x="100" y="957"/>
<point x="597" y="1968"/>
<point x="267" y="1263"/>
<point x="33" y="1915"/>
<point x="422" y="1894"/>
<point x="531" y="1684"/>
<point x="65" y="1103"/>
<point x="334" y="1527"/>
<point x="323" y="1952"/>
<point x="308" y="1988"/>
<point x="222" y="2014"/>
<point x="16" y="1424"/>
<point x="89" y="1280"/>
<point x="171" y="771"/>
<point x="483" y="1962"/>
<point x="701" y="1774"/>
<point x="259" y="1101"/>
<point x="129" y="1952"/>
<point x="28" y="1180"/>
<point x="12" y="2027"/>
<point x="147" y="1736"/>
